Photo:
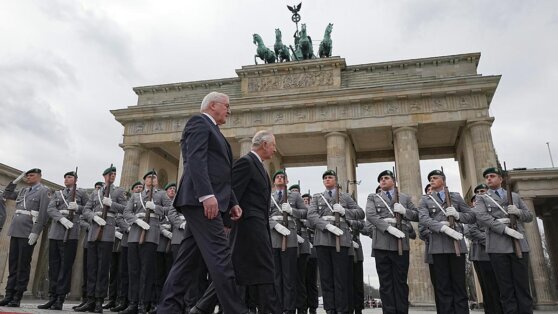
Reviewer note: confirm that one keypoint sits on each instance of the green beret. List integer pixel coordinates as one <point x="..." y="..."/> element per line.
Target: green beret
<point x="329" y="173"/>
<point x="480" y="187"/>
<point x="70" y="173"/>
<point x="436" y="173"/>
<point x="278" y="172"/>
<point x="378" y="189"/>
<point x="136" y="184"/>
<point x="386" y="173"/>
<point x="98" y="183"/>
<point x="426" y="188"/>
<point x="150" y="172"/>
<point x="492" y="170"/>
<point x="170" y="185"/>
<point x="34" y="170"/>
<point x="473" y="198"/>
<point x="109" y="170"/>
<point x="294" y="186"/>
<point x="306" y="195"/>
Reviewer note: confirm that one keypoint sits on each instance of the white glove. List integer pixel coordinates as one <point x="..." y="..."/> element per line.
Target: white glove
<point x="311" y="245"/>
<point x="513" y="210"/>
<point x="451" y="211"/>
<point x="355" y="245"/>
<point x="182" y="225"/>
<point x="66" y="223"/>
<point x="33" y="238"/>
<point x="150" y="205"/>
<point x="118" y="235"/>
<point x="445" y="223"/>
<point x="452" y="233"/>
<point x="72" y="205"/>
<point x="513" y="233"/>
<point x="337" y="208"/>
<point x="299" y="239"/>
<point x="107" y="201"/>
<point x="165" y="226"/>
<point x="282" y="229"/>
<point x="398" y="208"/>
<point x="100" y="221"/>
<point x="142" y="224"/>
<point x="34" y="216"/>
<point x="333" y="229"/>
<point x="395" y="232"/>
<point x="167" y="233"/>
<point x="286" y="207"/>
<point x="390" y="220"/>
<point x="64" y="212"/>
<point x="505" y="221"/>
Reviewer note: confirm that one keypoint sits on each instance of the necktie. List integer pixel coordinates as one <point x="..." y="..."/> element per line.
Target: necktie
<point x="280" y="195"/>
<point x="330" y="193"/>
<point x="440" y="196"/>
<point x="388" y="195"/>
<point x="498" y="193"/>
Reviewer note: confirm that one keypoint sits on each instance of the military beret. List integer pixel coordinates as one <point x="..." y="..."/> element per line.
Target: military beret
<point x="378" y="189"/>
<point x="98" y="183"/>
<point x="70" y="173"/>
<point x="294" y="186"/>
<point x="170" y="185"/>
<point x="109" y="170"/>
<point x="306" y="195"/>
<point x="386" y="173"/>
<point x="136" y="184"/>
<point x="34" y="170"/>
<point x="481" y="186"/>
<point x="278" y="172"/>
<point x="329" y="173"/>
<point x="492" y="170"/>
<point x="150" y="172"/>
<point x="473" y="198"/>
<point x="426" y="188"/>
<point x="436" y="173"/>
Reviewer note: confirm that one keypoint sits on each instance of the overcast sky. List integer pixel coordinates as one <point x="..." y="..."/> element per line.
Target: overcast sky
<point x="65" y="64"/>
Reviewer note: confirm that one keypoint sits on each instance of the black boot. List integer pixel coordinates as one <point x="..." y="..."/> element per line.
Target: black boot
<point x="122" y="305"/>
<point x="7" y="298"/>
<point x="83" y="302"/>
<point x="16" y="300"/>
<point x="98" y="306"/>
<point x="131" y="309"/>
<point x="47" y="305"/>
<point x="59" y="304"/>
<point x="87" y="307"/>
<point x="110" y="303"/>
<point x="142" y="307"/>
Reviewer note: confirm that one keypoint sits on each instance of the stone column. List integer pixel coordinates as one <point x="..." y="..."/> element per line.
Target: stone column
<point x="180" y="169"/>
<point x="336" y="155"/>
<point x="550" y="222"/>
<point x="409" y="180"/>
<point x="543" y="289"/>
<point x="130" y="166"/>
<point x="483" y="148"/>
<point x="245" y="145"/>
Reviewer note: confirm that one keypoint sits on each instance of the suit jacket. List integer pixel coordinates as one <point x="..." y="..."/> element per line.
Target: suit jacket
<point x="207" y="165"/>
<point x="95" y="205"/>
<point x="250" y="237"/>
<point x="2" y="211"/>
<point x="59" y="202"/>
<point x="487" y="214"/>
<point x="35" y="200"/>
<point x="299" y="211"/>
<point x="136" y="206"/>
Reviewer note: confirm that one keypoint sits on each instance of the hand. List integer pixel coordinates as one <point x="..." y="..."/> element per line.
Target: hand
<point x="337" y="208"/>
<point x="211" y="208"/>
<point x="355" y="245"/>
<point x="236" y="213"/>
<point x="72" y="205"/>
<point x="33" y="238"/>
<point x="395" y="232"/>
<point x="282" y="229"/>
<point x="107" y="201"/>
<point x="150" y="205"/>
<point x="167" y="234"/>
<point x="118" y="235"/>
<point x="286" y="207"/>
<point x="513" y="233"/>
<point x="451" y="211"/>
<point x="333" y="229"/>
<point x="299" y="239"/>
<point x="165" y="226"/>
<point x="452" y="233"/>
<point x="66" y="223"/>
<point x="513" y="210"/>
<point x="182" y="226"/>
<point x="100" y="221"/>
<point x="398" y="208"/>
<point x="142" y="224"/>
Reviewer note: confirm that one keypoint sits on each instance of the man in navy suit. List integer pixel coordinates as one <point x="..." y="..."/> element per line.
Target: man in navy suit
<point x="204" y="193"/>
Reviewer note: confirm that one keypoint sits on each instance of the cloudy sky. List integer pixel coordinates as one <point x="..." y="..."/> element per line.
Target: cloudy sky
<point x="65" y="64"/>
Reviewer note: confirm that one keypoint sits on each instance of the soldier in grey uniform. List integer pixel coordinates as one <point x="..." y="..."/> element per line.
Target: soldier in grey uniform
<point x="333" y="265"/>
<point x="285" y="261"/>
<point x="356" y="282"/>
<point x="141" y="256"/>
<point x="28" y="222"/>
<point x="100" y="239"/>
<point x="381" y="209"/>
<point x="304" y="251"/>
<point x="311" y="272"/>
<point x="65" y="212"/>
<point x="450" y="268"/>
<point x="493" y="211"/>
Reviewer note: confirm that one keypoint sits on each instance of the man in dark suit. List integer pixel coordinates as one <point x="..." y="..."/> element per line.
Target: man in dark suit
<point x="205" y="191"/>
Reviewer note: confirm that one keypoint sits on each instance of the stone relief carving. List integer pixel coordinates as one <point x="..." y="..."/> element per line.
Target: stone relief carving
<point x="415" y="106"/>
<point x="140" y="126"/>
<point x="464" y="101"/>
<point x="290" y="81"/>
<point x="279" y="117"/>
<point x="300" y="114"/>
<point x="158" y="126"/>
<point x="438" y="104"/>
<point x="365" y="110"/>
<point x="392" y="107"/>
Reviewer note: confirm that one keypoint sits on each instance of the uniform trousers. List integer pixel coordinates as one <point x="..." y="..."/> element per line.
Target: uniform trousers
<point x="301" y="294"/>
<point x="19" y="264"/>
<point x="358" y="285"/>
<point x="432" y="272"/>
<point x="114" y="275"/>
<point x="264" y="297"/>
<point x="123" y="281"/>
<point x="163" y="264"/>
<point x="141" y="268"/>
<point x="333" y="277"/>
<point x="392" y="271"/>
<point x="312" y="282"/>
<point x="512" y="276"/>
<point x="61" y="258"/>
<point x="285" y="277"/>
<point x="489" y="287"/>
<point x="450" y="283"/>
<point x="84" y="274"/>
<point x="98" y="267"/>
<point x="350" y="285"/>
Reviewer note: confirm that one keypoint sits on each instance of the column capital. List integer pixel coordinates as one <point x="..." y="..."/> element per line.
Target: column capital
<point x="131" y="146"/>
<point x="335" y="133"/>
<point x="483" y="121"/>
<point x="411" y="127"/>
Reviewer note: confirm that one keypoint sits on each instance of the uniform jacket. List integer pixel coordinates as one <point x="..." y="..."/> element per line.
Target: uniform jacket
<point x="176" y="219"/>
<point x="123" y="227"/>
<point x="164" y="241"/>
<point x="357" y="228"/>
<point x="477" y="235"/>
<point x="136" y="206"/>
<point x="487" y="214"/>
<point x="95" y="207"/>
<point x="30" y="199"/>
<point x="59" y="202"/>
<point x="299" y="211"/>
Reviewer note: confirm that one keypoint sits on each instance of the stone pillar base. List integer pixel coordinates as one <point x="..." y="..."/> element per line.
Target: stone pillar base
<point x="546" y="306"/>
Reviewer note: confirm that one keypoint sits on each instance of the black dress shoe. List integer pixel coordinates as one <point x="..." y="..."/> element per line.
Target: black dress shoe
<point x="87" y="307"/>
<point x="47" y="305"/>
<point x="98" y="306"/>
<point x="131" y="309"/>
<point x="59" y="304"/>
<point x="16" y="300"/>
<point x="7" y="298"/>
<point x="121" y="306"/>
<point x="110" y="303"/>
<point x="83" y="302"/>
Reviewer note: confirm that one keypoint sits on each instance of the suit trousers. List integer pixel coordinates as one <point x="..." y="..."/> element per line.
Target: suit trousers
<point x="19" y="264"/>
<point x="264" y="297"/>
<point x="489" y="287"/>
<point x="114" y="275"/>
<point x="286" y="277"/>
<point x="301" y="294"/>
<point x="333" y="277"/>
<point x="512" y="275"/>
<point x="208" y="301"/>
<point x="208" y="238"/>
<point x="312" y="282"/>
<point x="84" y="274"/>
<point x="124" y="276"/>
<point x="60" y="262"/>
<point x="392" y="271"/>
<point x="200" y="281"/>
<point x="358" y="285"/>
<point x="141" y="269"/>
<point x="98" y="267"/>
<point x="450" y="283"/>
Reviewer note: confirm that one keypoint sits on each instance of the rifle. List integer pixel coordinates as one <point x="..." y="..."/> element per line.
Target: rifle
<point x="105" y="209"/>
<point x="398" y="217"/>
<point x="513" y="218"/>
<point x="72" y="211"/>
<point x="148" y="211"/>
<point x="451" y="219"/>
<point x="337" y="222"/>
<point x="299" y="224"/>
<point x="285" y="217"/>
